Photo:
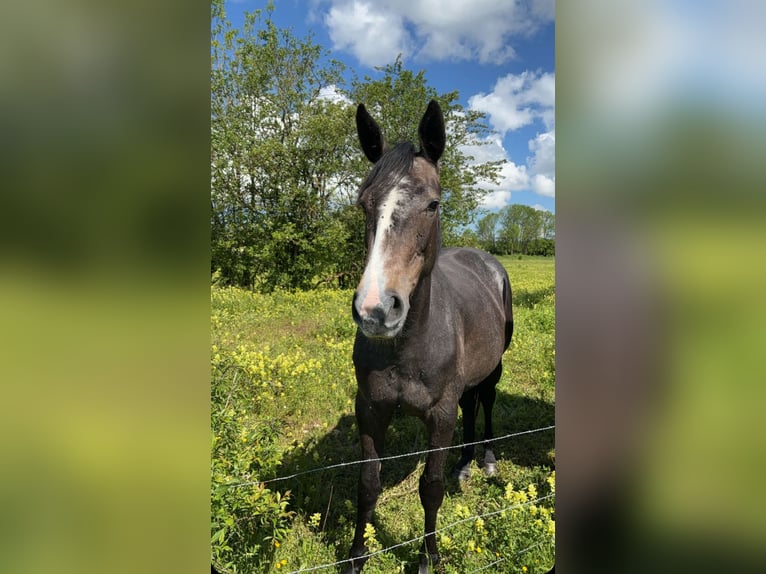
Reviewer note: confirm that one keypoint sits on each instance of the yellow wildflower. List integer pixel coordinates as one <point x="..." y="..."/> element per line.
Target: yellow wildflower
<point x="369" y="532"/>
<point x="462" y="511"/>
<point x="314" y="519"/>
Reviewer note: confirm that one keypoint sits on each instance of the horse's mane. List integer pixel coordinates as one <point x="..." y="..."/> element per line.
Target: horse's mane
<point x="395" y="164"/>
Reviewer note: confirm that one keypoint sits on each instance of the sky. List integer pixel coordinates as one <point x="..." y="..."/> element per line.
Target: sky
<point x="498" y="54"/>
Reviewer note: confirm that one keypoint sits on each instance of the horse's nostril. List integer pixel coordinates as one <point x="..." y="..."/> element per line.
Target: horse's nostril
<point x="397" y="303"/>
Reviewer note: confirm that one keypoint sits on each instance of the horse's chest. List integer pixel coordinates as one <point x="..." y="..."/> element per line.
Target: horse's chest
<point x="414" y="392"/>
<point x="415" y="396"/>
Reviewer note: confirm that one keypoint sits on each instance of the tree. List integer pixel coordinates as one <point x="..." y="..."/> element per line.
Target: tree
<point x="278" y="155"/>
<point x="548" y="225"/>
<point x="511" y="228"/>
<point x="522" y="226"/>
<point x="487" y="229"/>
<point x="541" y="246"/>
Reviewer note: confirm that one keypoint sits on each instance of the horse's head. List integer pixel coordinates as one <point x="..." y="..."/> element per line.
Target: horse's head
<point x="400" y="197"/>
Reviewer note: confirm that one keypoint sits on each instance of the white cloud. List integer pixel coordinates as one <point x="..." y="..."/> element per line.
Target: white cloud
<point x="515" y="177"/>
<point x="496" y="200"/>
<point x="538" y="175"/>
<point x="331" y="94"/>
<point x="512" y="177"/>
<point x="544" y="185"/>
<point x="444" y="29"/>
<point x="543" y="9"/>
<point x="542" y="164"/>
<point x="543" y="148"/>
<point x="539" y="207"/>
<point x="373" y="34"/>
<point x="517" y="100"/>
<point x="490" y="150"/>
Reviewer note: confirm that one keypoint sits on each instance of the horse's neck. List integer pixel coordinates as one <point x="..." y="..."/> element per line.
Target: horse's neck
<point x="420" y="304"/>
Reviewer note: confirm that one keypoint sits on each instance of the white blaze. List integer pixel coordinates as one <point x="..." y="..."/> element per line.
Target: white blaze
<point x="374" y="278"/>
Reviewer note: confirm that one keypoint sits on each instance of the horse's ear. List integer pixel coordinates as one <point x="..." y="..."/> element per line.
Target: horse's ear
<point x="431" y="132"/>
<point x="373" y="142"/>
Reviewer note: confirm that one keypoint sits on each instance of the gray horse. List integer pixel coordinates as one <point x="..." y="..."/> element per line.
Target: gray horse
<point x="432" y="323"/>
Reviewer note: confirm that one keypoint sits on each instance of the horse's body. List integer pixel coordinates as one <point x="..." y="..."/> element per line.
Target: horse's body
<point x="452" y="346"/>
<point x="433" y="324"/>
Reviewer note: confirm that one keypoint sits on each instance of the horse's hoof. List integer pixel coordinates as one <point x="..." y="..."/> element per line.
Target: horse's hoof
<point x="427" y="562"/>
<point x="490" y="469"/>
<point x="351" y="569"/>
<point x="462" y="473"/>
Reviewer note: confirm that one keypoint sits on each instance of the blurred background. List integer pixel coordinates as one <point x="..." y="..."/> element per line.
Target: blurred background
<point x="104" y="286"/>
<point x="661" y="108"/>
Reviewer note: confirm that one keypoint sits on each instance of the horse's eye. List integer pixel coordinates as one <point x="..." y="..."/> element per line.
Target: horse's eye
<point x="433" y="206"/>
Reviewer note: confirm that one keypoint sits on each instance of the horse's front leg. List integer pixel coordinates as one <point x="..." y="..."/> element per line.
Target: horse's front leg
<point x="372" y="428"/>
<point x="441" y="426"/>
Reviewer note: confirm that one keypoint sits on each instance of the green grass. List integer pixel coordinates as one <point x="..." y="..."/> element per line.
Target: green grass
<point x="282" y="402"/>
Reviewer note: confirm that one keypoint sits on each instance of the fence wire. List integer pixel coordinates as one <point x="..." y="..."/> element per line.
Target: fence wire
<point x="383" y="458"/>
<point x="437" y="531"/>
<point x="516" y="554"/>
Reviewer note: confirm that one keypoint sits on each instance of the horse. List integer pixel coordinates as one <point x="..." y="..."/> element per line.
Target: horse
<point x="432" y="323"/>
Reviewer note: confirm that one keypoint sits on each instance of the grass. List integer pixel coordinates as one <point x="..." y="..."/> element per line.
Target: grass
<point x="282" y="403"/>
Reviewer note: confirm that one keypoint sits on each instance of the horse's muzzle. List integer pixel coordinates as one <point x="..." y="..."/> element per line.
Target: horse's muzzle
<point x="382" y="320"/>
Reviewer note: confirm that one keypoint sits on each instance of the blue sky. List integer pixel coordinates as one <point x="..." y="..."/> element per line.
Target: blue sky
<point x="499" y="55"/>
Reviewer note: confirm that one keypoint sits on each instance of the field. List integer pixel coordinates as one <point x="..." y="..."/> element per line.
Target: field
<point x="282" y="388"/>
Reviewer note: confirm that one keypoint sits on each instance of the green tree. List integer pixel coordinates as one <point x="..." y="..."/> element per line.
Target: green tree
<point x="548" y="229"/>
<point x="521" y="225"/>
<point x="487" y="232"/>
<point x="510" y="228"/>
<point x="278" y="154"/>
<point x="542" y="246"/>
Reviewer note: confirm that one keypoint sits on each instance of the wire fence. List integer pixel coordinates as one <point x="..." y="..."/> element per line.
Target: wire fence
<point x="503" y="559"/>
<point x="419" y="538"/>
<point x="384" y="458"/>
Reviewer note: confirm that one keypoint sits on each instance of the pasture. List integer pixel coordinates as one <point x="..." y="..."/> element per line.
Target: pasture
<point x="282" y="403"/>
